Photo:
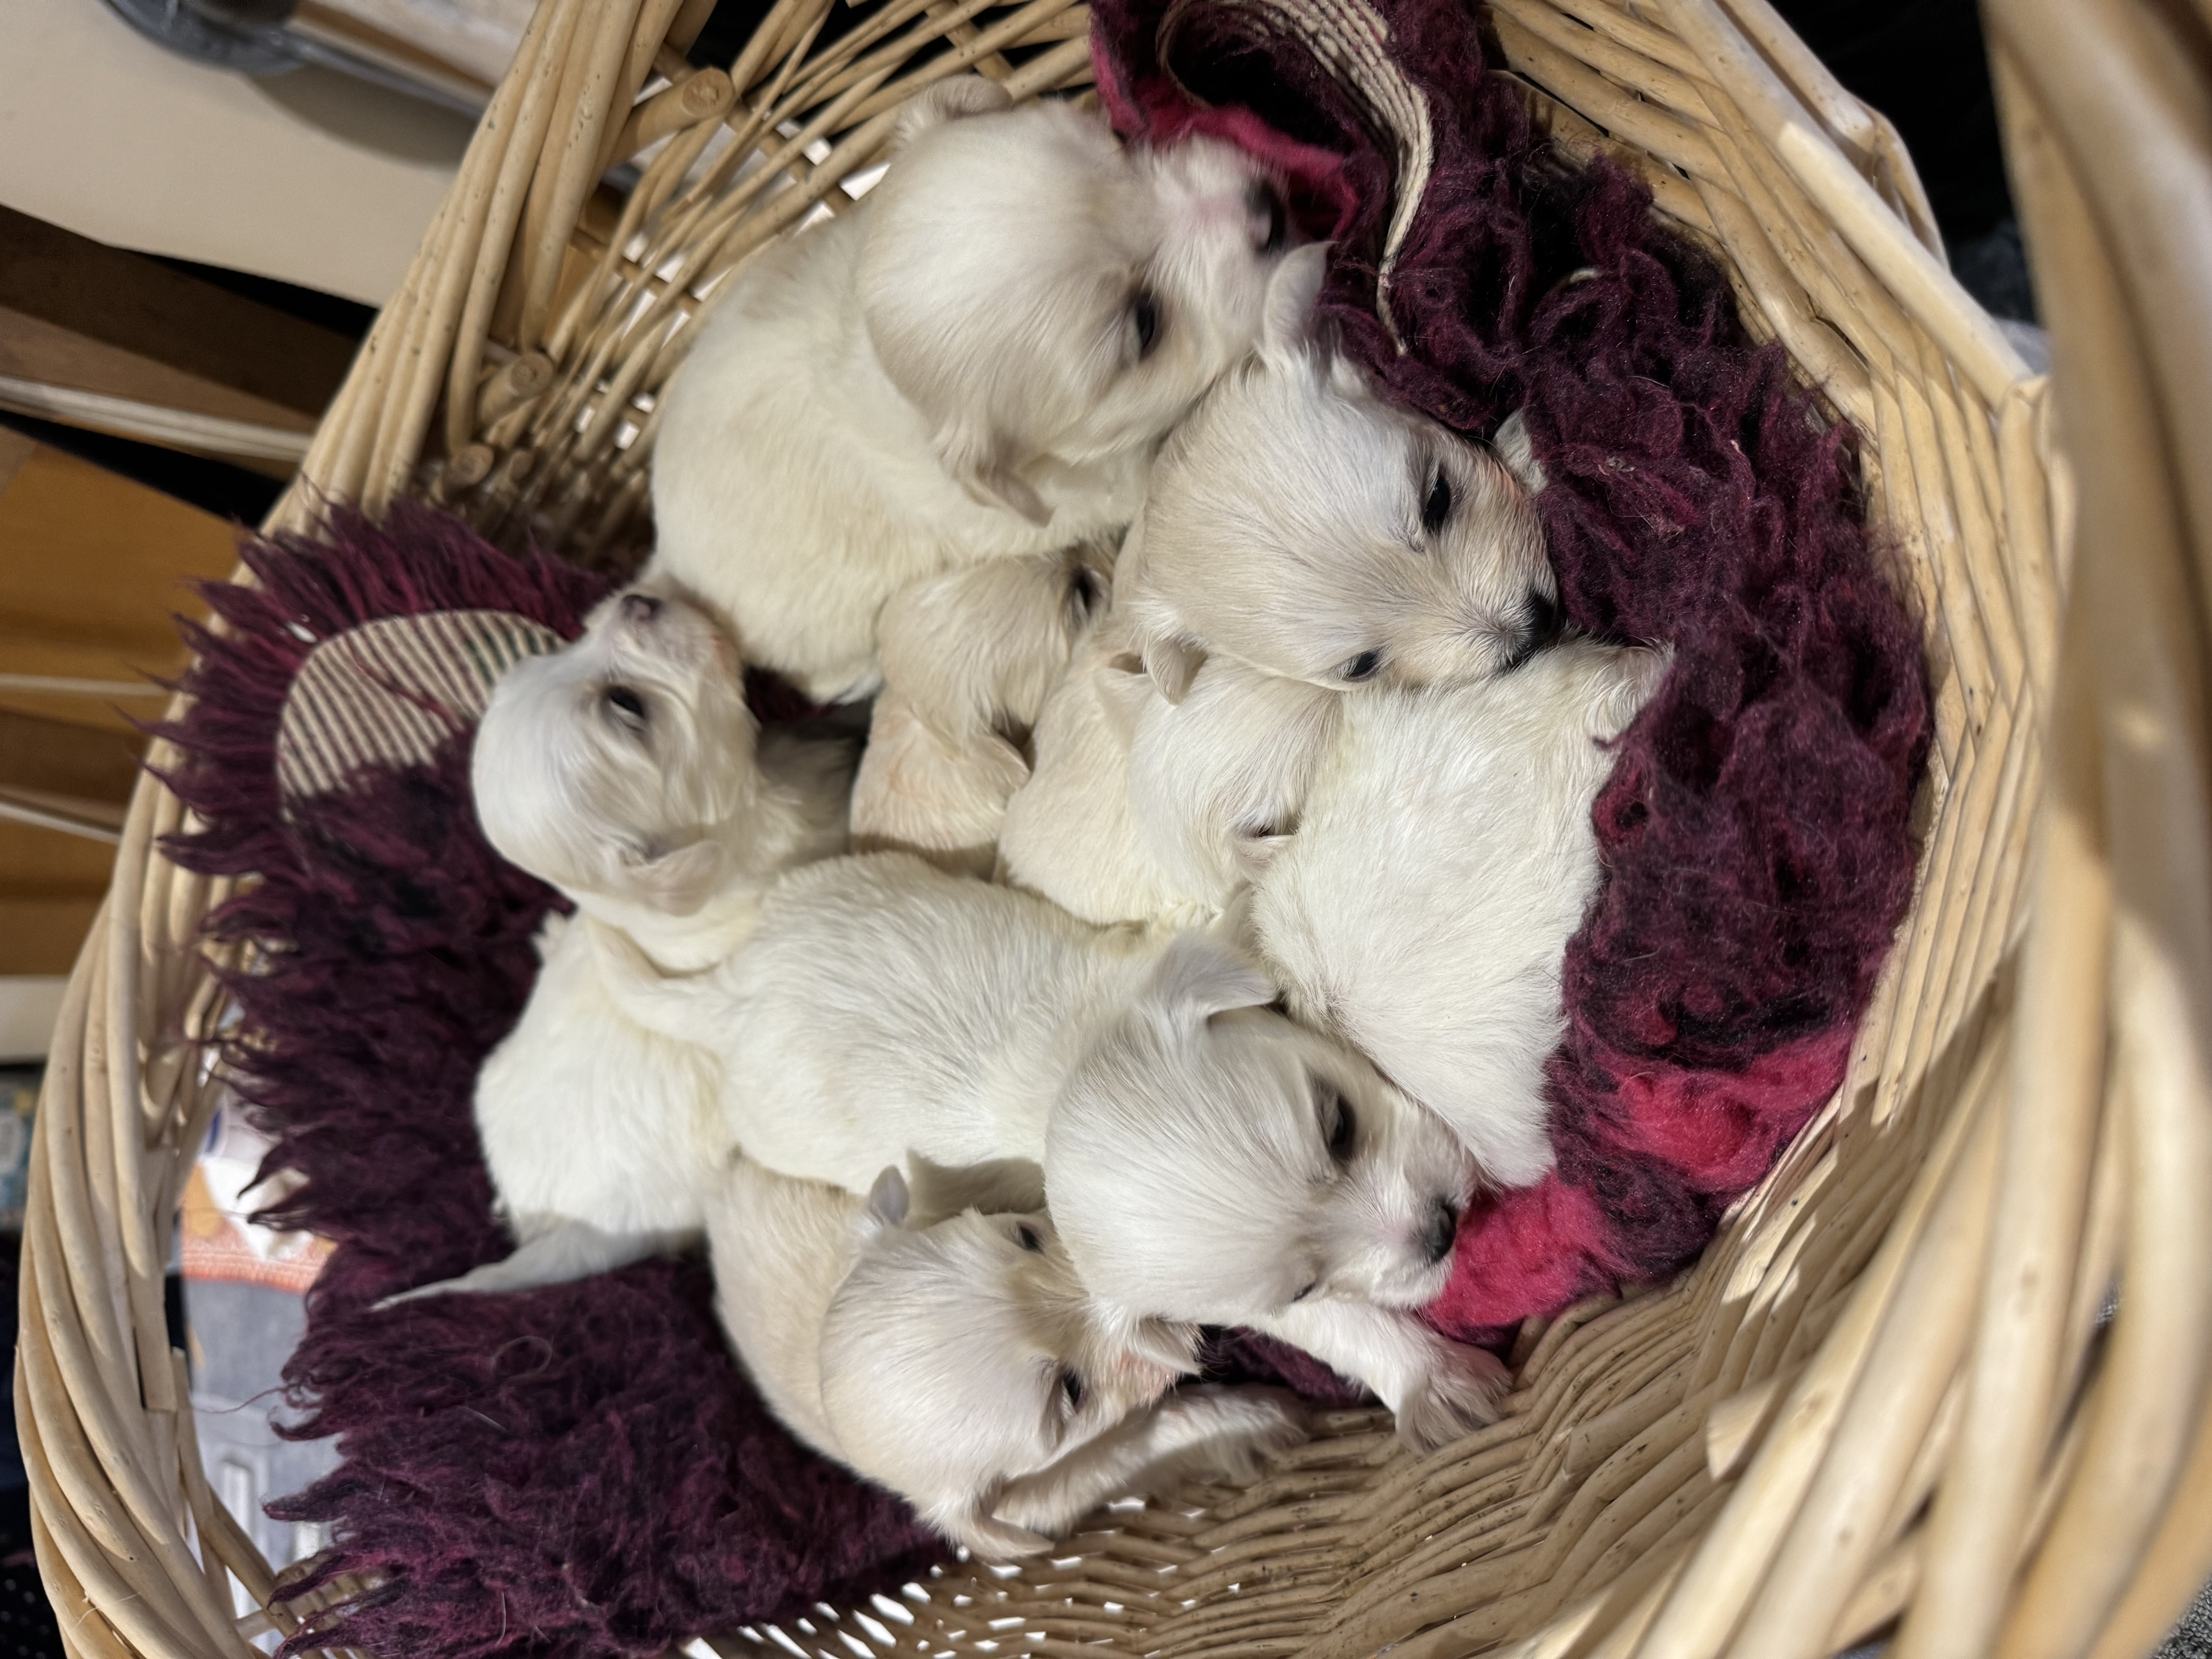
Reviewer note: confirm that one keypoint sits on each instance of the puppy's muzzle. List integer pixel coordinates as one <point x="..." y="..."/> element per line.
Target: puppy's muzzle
<point x="1442" y="1233"/>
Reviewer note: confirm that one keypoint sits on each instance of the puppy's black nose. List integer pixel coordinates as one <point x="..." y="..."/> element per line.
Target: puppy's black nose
<point x="641" y="607"/>
<point x="1443" y="1231"/>
<point x="1268" y="207"/>
<point x="1542" y="622"/>
<point x="1546" y="618"/>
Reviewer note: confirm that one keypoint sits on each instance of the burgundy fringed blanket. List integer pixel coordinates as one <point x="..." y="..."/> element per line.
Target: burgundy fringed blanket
<point x="577" y="1471"/>
<point x="1755" y="830"/>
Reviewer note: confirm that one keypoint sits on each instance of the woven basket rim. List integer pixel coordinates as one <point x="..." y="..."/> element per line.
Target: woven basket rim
<point x="1674" y="1463"/>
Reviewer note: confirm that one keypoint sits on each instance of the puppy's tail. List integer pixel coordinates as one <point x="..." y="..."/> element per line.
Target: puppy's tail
<point x="674" y="1006"/>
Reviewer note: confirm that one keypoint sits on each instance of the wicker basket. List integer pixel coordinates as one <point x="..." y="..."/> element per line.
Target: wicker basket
<point x="1893" y="1387"/>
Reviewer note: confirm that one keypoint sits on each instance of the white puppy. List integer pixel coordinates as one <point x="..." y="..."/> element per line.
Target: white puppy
<point x="884" y="1010"/>
<point x="1141" y="809"/>
<point x="1445" y="857"/>
<point x="1211" y="1161"/>
<point x="956" y="1360"/>
<point x="975" y="361"/>
<point x="1300" y="523"/>
<point x="626" y="770"/>
<point x="969" y="658"/>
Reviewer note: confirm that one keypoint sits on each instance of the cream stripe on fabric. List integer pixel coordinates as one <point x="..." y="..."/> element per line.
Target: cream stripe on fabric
<point x="389" y="692"/>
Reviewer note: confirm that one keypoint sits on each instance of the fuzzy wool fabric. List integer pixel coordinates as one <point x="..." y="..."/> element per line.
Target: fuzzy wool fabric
<point x="1755" y="833"/>
<point x="576" y="1471"/>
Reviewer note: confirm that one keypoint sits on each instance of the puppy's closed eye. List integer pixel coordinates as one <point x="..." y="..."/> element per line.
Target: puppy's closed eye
<point x="1084" y="594"/>
<point x="627" y="706"/>
<point x="1339" y="1127"/>
<point x="1072" y="1390"/>
<point x="1146" y="321"/>
<point x="1027" y="1237"/>
<point x="1437" y="505"/>
<point x="1365" y="666"/>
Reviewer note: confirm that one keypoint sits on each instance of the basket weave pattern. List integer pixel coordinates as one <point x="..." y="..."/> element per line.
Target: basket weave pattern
<point x="1862" y="1403"/>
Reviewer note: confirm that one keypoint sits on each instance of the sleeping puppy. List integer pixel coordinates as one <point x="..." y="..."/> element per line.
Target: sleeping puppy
<point x="956" y="1359"/>
<point x="1445" y="857"/>
<point x="627" y="771"/>
<point x="969" y="658"/>
<point x="1299" y="523"/>
<point x="1140" y="809"/>
<point x="1211" y="1161"/>
<point x="975" y="361"/>
<point x="886" y="1009"/>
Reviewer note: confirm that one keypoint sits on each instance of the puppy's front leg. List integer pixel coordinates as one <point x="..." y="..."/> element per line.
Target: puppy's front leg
<point x="1439" y="1389"/>
<point x="1202" y="1429"/>
<point x="553" y="1251"/>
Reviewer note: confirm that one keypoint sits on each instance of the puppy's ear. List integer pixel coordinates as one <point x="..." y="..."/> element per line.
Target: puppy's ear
<point x="977" y="461"/>
<point x="1128" y="568"/>
<point x="948" y="101"/>
<point x="969" y="1524"/>
<point x="1123" y="689"/>
<point x="1173" y="664"/>
<point x="1200" y="976"/>
<point x="676" y="882"/>
<point x="1001" y="1186"/>
<point x="1519" y="455"/>
<point x="1238" y="925"/>
<point x="1169" y="1344"/>
<point x="1286" y="313"/>
<point x="887" y="1201"/>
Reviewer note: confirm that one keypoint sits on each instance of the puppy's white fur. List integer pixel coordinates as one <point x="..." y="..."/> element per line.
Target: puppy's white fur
<point x="1070" y="833"/>
<point x="975" y="361"/>
<point x="885" y="1009"/>
<point x="1444" y="858"/>
<point x="969" y="658"/>
<point x="1141" y="809"/>
<point x="1217" y="781"/>
<point x="1302" y="524"/>
<point x="626" y="770"/>
<point x="958" y="1360"/>
<point x="1212" y="1161"/>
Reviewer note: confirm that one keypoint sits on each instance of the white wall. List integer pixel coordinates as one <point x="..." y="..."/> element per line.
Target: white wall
<point x="306" y="177"/>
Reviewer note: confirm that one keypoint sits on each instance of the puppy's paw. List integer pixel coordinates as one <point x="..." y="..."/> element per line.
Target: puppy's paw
<point x="514" y="1273"/>
<point x="1458" y="1394"/>
<point x="415" y="1295"/>
<point x="1253" y="1424"/>
<point x="1219" y="1434"/>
